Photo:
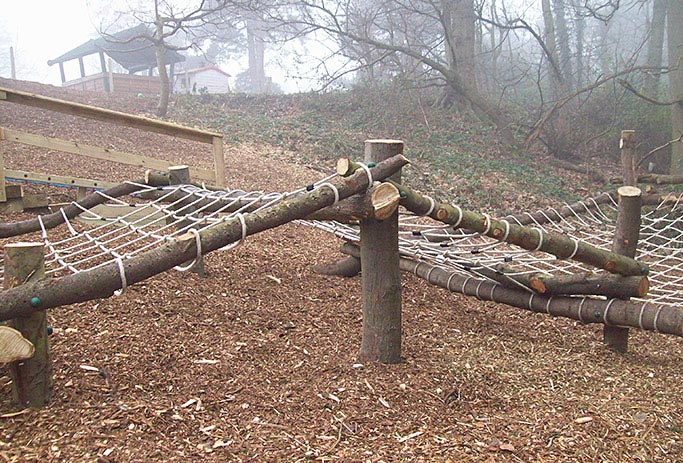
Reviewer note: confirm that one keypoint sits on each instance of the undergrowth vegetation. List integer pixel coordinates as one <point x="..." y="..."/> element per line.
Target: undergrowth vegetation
<point x="456" y="156"/>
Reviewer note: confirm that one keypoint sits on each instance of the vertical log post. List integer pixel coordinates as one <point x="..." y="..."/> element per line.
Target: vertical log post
<point x="219" y="161"/>
<point x="31" y="378"/>
<point x="61" y="73"/>
<point x="180" y="175"/>
<point x="625" y="243"/>
<point x="627" y="144"/>
<point x="381" y="279"/>
<point x="628" y="225"/>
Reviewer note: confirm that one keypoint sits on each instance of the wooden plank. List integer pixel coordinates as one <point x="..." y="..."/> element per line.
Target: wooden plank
<point x="219" y="162"/>
<point x="141" y="216"/>
<point x="100" y="153"/>
<point x="3" y="193"/>
<point x="108" y="115"/>
<point x="55" y="180"/>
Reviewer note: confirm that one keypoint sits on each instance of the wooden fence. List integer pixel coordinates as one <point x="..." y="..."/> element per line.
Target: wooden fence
<point x="216" y="176"/>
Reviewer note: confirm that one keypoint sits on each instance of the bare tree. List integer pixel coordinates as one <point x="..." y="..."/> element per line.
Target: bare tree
<point x="674" y="33"/>
<point x="440" y="36"/>
<point x="166" y="24"/>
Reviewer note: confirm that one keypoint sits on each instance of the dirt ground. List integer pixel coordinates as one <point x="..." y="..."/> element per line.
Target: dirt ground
<point x="258" y="362"/>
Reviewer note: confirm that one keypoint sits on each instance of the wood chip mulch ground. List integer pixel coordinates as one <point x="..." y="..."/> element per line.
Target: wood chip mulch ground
<point x="258" y="362"/>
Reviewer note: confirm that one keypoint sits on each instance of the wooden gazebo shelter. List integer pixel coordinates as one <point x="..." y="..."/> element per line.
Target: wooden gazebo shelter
<point x="131" y="50"/>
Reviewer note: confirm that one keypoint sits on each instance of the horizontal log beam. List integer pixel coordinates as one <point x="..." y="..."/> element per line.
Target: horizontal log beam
<point x="346" y="267"/>
<point x="106" y="115"/>
<point x="611" y="286"/>
<point x="655" y="179"/>
<point x="531" y="239"/>
<point x="378" y="203"/>
<point x="8" y="230"/>
<point x="102" y="281"/>
<point x="613" y="312"/>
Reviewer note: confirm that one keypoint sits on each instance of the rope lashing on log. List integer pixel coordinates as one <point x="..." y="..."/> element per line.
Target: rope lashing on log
<point x="552" y="243"/>
<point x="659" y="318"/>
<point x="198" y="243"/>
<point x="129" y="249"/>
<point x="589" y="221"/>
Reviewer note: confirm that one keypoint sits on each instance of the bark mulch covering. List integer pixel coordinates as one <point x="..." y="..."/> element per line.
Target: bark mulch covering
<point x="258" y="362"/>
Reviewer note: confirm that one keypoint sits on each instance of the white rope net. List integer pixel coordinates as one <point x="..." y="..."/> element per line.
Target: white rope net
<point x="125" y="227"/>
<point x="471" y="254"/>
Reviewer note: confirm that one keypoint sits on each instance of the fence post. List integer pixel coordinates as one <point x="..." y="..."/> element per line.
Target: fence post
<point x="219" y="161"/>
<point x="31" y="378"/>
<point x="3" y="193"/>
<point x="381" y="278"/>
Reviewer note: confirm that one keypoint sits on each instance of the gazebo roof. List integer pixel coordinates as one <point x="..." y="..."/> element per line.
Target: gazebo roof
<point x="128" y="47"/>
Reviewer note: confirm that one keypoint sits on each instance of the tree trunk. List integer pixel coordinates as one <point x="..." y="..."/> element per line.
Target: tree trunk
<point x="675" y="36"/>
<point x="655" y="43"/>
<point x="459" y="30"/>
<point x="159" y="51"/>
<point x="256" y="49"/>
<point x="580" y="26"/>
<point x="563" y="49"/>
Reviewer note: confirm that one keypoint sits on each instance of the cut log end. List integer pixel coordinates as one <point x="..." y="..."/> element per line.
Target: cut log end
<point x="537" y="285"/>
<point x="13" y="346"/>
<point x="385" y="198"/>
<point x="344" y="167"/>
<point x="629" y="192"/>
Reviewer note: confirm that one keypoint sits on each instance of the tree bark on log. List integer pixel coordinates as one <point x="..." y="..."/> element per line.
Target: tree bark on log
<point x="56" y="218"/>
<point x="532" y="239"/>
<point x="378" y="203"/>
<point x="660" y="318"/>
<point x="346" y="267"/>
<point x="626" y="243"/>
<point x="627" y="144"/>
<point x="381" y="276"/>
<point x="593" y="285"/>
<point x="656" y="179"/>
<point x="102" y="281"/>
<point x="32" y="377"/>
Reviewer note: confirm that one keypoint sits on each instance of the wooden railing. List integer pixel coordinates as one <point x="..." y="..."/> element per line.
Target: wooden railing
<point x="105" y="115"/>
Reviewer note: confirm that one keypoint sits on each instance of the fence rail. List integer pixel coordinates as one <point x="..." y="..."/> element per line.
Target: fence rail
<point x="104" y="115"/>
